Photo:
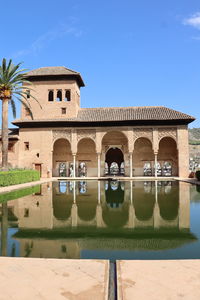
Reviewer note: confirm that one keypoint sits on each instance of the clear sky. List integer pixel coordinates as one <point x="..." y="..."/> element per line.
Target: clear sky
<point x="130" y="52"/>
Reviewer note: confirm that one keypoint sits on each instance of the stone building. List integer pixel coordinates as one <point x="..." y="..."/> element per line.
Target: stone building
<point x="64" y="139"/>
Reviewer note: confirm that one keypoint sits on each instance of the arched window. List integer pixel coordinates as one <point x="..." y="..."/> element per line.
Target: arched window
<point x="67" y="95"/>
<point x="59" y="96"/>
<point x="50" y="97"/>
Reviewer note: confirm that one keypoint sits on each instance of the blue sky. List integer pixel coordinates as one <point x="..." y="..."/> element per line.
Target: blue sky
<point x="130" y="53"/>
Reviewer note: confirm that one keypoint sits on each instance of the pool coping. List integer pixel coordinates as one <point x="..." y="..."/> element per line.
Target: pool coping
<point x="10" y="188"/>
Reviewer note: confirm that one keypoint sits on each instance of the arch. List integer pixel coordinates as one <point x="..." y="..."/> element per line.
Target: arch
<point x="115" y="147"/>
<point x="168" y="136"/>
<point x="144" y="138"/>
<point x="86" y="153"/>
<point x="62" y="155"/>
<point x="51" y="95"/>
<point x="113" y="137"/>
<point x="67" y="95"/>
<point x="114" y="158"/>
<point x="81" y="140"/>
<point x="168" y="153"/>
<point x="142" y="153"/>
<point x="59" y="96"/>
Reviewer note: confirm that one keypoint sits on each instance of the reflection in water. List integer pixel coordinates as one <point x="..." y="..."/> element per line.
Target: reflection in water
<point x="70" y="217"/>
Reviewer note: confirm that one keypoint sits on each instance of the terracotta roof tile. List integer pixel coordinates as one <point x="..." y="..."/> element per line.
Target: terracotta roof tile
<point x="51" y="71"/>
<point x="131" y="113"/>
<point x="54" y="71"/>
<point x="112" y="114"/>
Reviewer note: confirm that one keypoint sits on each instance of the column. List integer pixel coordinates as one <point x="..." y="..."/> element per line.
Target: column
<point x="99" y="164"/>
<point x="131" y="164"/>
<point x="99" y="192"/>
<point x="156" y="214"/>
<point x="155" y="163"/>
<point x="183" y="152"/>
<point x="74" y="191"/>
<point x="74" y="164"/>
<point x="131" y="192"/>
<point x="74" y="208"/>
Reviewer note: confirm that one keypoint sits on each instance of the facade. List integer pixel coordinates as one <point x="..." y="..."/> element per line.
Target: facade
<point x="64" y="139"/>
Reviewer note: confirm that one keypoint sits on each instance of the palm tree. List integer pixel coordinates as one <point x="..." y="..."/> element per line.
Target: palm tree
<point x="12" y="86"/>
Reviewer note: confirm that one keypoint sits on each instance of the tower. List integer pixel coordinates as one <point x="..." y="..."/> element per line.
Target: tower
<point x="57" y="89"/>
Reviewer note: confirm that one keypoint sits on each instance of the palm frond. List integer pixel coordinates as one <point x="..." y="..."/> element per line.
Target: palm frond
<point x="26" y="106"/>
<point x="13" y="106"/>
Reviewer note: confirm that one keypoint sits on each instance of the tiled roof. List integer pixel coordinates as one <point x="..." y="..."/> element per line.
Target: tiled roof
<point x="54" y="71"/>
<point x="51" y="71"/>
<point x="114" y="114"/>
<point x="130" y="113"/>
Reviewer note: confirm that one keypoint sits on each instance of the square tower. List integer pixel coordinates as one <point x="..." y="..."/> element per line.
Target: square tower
<point x="57" y="89"/>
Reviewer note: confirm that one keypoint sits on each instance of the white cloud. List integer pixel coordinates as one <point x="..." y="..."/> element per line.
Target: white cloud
<point x="193" y="21"/>
<point x="48" y="37"/>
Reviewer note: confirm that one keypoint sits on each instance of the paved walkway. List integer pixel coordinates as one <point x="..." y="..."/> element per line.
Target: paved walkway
<point x="158" y="280"/>
<point x="53" y="279"/>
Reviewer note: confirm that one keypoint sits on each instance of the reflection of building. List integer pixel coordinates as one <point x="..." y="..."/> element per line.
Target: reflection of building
<point x="66" y="140"/>
<point x="55" y="223"/>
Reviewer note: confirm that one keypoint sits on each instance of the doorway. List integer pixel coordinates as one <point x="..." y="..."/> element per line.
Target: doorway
<point x="38" y="167"/>
<point x="115" y="162"/>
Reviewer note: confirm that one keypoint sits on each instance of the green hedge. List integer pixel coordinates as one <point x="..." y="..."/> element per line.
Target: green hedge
<point x="19" y="193"/>
<point x="198" y="175"/>
<point x="17" y="177"/>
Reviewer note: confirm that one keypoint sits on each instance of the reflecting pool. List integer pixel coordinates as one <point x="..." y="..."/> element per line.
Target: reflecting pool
<point x="102" y="220"/>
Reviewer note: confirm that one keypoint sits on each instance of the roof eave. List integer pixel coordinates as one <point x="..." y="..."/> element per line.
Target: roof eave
<point x="81" y="123"/>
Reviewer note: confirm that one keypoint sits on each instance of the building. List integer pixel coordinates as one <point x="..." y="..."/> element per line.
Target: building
<point x="64" y="139"/>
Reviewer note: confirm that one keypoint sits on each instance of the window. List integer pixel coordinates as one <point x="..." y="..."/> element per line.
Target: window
<point x="67" y="95"/>
<point x="26" y="213"/>
<point x="11" y="147"/>
<point x="63" y="110"/>
<point x="28" y="94"/>
<point x="27" y="112"/>
<point x="51" y="95"/>
<point x="26" y="146"/>
<point x="59" y="96"/>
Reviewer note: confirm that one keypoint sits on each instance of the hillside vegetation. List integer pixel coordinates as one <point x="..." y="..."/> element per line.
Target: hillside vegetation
<point x="194" y="136"/>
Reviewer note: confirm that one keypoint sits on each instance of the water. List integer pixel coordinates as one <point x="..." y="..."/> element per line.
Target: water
<point x="102" y="220"/>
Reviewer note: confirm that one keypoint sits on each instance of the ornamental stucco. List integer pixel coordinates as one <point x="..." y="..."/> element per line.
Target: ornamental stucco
<point x="83" y="133"/>
<point x="167" y="132"/>
<point x="61" y="134"/>
<point x="144" y="133"/>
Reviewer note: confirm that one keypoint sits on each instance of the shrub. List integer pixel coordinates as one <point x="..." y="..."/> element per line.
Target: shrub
<point x="198" y="175"/>
<point x="17" y="177"/>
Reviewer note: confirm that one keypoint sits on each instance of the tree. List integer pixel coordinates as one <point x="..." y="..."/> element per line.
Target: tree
<point x="13" y="85"/>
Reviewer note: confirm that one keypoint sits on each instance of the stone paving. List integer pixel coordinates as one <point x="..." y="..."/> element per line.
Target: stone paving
<point x="53" y="279"/>
<point x="158" y="280"/>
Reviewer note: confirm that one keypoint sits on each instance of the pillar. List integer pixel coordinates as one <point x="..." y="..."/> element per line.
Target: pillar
<point x="99" y="192"/>
<point x="183" y="152"/>
<point x="74" y="164"/>
<point x="99" y="164"/>
<point x="131" y="164"/>
<point x="155" y="163"/>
